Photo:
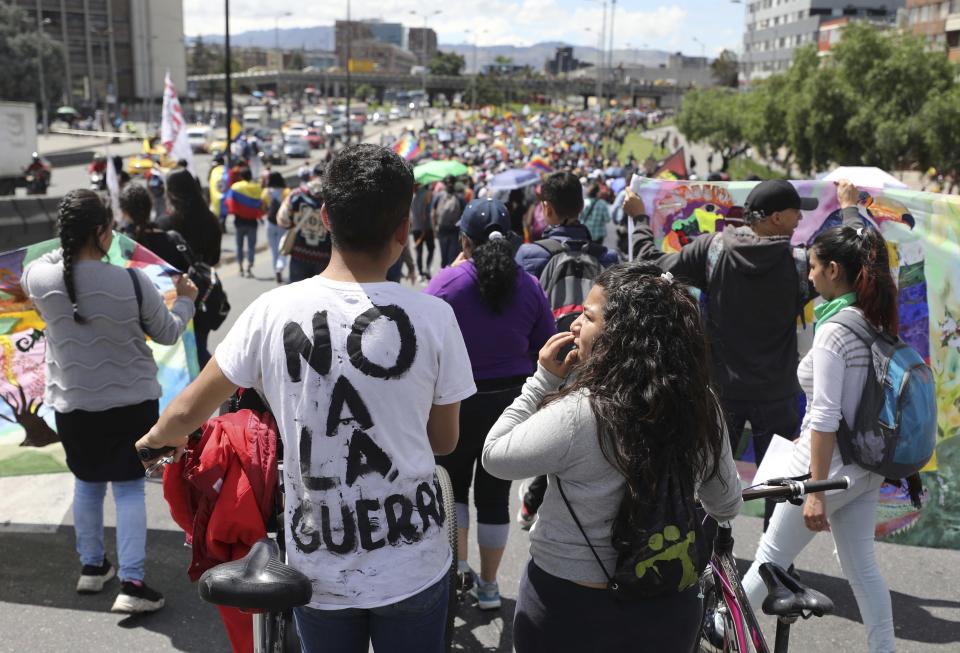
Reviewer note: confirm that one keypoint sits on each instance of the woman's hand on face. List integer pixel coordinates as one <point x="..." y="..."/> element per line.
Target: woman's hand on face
<point x="551" y="350"/>
<point x="815" y="513"/>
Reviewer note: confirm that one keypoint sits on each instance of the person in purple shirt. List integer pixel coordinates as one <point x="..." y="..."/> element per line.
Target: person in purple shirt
<point x="505" y="320"/>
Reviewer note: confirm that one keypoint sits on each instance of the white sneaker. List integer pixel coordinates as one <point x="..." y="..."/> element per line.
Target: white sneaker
<point x="93" y="578"/>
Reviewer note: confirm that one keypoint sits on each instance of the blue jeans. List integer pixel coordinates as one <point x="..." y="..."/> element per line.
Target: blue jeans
<point x="413" y="625"/>
<point x="449" y="246"/>
<point x="131" y="524"/>
<point x="275" y="235"/>
<point x="246" y="231"/>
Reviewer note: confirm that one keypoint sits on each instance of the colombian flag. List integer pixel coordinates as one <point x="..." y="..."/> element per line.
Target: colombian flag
<point x="243" y="200"/>
<point x="537" y="162"/>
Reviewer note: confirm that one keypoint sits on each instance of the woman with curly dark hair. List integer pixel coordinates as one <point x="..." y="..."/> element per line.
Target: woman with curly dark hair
<point x="505" y="319"/>
<point x="640" y="403"/>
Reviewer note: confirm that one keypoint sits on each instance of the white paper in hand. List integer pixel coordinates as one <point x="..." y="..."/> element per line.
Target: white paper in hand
<point x="776" y="461"/>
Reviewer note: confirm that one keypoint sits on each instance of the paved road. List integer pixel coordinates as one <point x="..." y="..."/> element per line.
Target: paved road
<point x="39" y="610"/>
<point x="70" y="177"/>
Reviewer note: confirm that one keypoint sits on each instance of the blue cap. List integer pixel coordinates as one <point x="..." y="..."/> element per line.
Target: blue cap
<point x="483" y="217"/>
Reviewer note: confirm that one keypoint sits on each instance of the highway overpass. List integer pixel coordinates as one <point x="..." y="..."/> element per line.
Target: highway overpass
<point x="334" y="84"/>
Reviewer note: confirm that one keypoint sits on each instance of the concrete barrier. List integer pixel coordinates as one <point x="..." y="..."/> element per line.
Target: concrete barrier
<point x="24" y="221"/>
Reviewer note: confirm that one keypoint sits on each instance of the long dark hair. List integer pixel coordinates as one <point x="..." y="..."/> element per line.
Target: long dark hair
<point x="862" y="255"/>
<point x="189" y="210"/>
<point x="649" y="387"/>
<point x="136" y="202"/>
<point x="496" y="272"/>
<point x="81" y="217"/>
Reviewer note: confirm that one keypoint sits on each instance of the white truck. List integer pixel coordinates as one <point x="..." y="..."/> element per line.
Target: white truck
<point x="18" y="141"/>
<point x="255" y="117"/>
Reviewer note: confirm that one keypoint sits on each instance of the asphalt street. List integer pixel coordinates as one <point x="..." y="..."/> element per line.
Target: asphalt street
<point x="69" y="177"/>
<point x="40" y="611"/>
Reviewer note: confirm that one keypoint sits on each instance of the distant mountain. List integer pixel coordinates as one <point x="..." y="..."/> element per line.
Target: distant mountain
<point x="318" y="37"/>
<point x="536" y="55"/>
<point x="321" y="37"/>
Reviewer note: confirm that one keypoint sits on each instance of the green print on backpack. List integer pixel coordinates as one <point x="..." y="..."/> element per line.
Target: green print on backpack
<point x="680" y="550"/>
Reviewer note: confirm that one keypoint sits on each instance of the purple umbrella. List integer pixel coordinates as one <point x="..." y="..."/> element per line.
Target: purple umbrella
<point x="518" y="178"/>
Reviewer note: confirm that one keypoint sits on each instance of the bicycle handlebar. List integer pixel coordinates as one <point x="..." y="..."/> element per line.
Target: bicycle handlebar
<point x="790" y="488"/>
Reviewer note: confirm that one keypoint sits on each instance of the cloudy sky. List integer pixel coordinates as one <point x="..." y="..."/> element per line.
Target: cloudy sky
<point x="672" y="26"/>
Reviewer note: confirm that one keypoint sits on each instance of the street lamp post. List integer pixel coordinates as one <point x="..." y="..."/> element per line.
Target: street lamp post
<point x="41" y="21"/>
<point x="427" y="15"/>
<point x="476" y="70"/>
<point x="104" y="34"/>
<point x="276" y="46"/>
<point x="228" y="93"/>
<point x="602" y="37"/>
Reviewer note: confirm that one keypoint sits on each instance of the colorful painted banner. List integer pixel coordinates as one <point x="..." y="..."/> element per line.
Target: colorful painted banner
<point x="28" y="440"/>
<point x="923" y="235"/>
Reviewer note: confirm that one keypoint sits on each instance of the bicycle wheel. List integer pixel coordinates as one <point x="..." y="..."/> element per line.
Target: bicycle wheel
<point x="450" y="511"/>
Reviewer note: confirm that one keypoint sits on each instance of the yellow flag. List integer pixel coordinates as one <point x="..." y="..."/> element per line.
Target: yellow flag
<point x="234" y="129"/>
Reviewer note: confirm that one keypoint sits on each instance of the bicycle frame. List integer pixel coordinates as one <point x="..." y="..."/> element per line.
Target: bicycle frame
<point x="730" y="590"/>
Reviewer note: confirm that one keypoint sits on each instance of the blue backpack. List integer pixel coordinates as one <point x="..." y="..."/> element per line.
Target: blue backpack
<point x="895" y="428"/>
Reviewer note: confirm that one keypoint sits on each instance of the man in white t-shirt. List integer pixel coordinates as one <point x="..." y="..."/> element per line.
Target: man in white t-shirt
<point x="365" y="379"/>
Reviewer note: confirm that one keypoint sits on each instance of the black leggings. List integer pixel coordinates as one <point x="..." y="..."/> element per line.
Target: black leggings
<point x="491" y="495"/>
<point x="422" y="238"/>
<point x="554" y="615"/>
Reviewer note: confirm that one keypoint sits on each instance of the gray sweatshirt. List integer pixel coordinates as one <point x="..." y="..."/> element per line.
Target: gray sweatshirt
<point x="104" y="363"/>
<point x="560" y="440"/>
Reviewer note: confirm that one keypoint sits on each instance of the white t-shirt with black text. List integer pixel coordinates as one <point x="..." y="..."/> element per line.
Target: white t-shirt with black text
<point x="350" y="372"/>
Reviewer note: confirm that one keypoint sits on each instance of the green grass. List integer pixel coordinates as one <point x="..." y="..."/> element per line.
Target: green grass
<point x="30" y="462"/>
<point x="742" y="168"/>
<point x="640" y="147"/>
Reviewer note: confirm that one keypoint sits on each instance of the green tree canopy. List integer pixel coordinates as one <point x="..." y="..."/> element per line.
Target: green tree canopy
<point x="446" y="63"/>
<point x="714" y="116"/>
<point x="22" y="46"/>
<point x="726" y="69"/>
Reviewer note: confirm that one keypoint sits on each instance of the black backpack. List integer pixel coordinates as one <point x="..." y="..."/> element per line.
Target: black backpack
<point x="212" y="304"/>
<point x="568" y="276"/>
<point x="663" y="554"/>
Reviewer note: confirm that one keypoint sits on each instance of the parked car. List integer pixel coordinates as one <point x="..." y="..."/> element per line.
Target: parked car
<point x="297" y="146"/>
<point x="314" y="137"/>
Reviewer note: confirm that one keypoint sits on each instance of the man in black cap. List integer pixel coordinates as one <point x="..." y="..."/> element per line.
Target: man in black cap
<point x="755" y="285"/>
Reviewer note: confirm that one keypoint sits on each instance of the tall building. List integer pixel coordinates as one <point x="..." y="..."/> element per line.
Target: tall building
<point x="345" y="34"/>
<point x="386" y="32"/>
<point x="938" y="21"/>
<point x="775" y="28"/>
<point x="115" y="51"/>
<point x="422" y="41"/>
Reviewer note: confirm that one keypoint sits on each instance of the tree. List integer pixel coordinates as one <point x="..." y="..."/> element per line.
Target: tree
<point x="363" y="91"/>
<point x="714" y="116"/>
<point x="297" y="61"/>
<point x="726" y="69"/>
<point x="940" y="120"/>
<point x="446" y="63"/>
<point x="202" y="58"/>
<point x="21" y="44"/>
<point x="489" y="91"/>
<point x="502" y="60"/>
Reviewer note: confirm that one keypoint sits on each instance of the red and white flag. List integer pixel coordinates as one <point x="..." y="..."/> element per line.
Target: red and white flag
<point x="173" y="127"/>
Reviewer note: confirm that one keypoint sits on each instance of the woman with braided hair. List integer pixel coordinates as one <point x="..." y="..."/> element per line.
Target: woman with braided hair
<point x="101" y="381"/>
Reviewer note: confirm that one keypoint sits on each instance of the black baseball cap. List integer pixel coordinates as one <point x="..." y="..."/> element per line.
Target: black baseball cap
<point x="483" y="217"/>
<point x="771" y="196"/>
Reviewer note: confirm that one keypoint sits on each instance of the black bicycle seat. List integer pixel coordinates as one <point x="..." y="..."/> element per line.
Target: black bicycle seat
<point x="788" y="597"/>
<point x="257" y="581"/>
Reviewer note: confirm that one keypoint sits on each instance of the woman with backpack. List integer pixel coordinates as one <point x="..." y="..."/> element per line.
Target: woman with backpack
<point x="850" y="269"/>
<point x="273" y="196"/>
<point x="101" y="381"/>
<point x="492" y="297"/>
<point x="638" y="418"/>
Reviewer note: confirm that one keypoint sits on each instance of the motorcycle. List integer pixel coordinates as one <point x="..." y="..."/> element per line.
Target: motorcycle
<point x="98" y="181"/>
<point x="37" y="179"/>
